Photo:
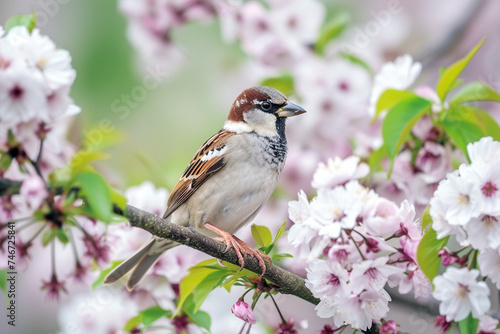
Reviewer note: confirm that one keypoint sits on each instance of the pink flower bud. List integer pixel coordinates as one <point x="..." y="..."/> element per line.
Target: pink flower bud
<point x="243" y="311"/>
<point x="389" y="327"/>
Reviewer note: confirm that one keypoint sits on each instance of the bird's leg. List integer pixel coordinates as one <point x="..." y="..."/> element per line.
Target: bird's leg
<point x="240" y="247"/>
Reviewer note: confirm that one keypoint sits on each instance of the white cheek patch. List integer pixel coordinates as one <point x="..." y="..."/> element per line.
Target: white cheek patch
<point x="262" y="123"/>
<point x="213" y="153"/>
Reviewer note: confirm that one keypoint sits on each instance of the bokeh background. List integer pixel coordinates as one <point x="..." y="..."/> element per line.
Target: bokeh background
<point x="155" y="136"/>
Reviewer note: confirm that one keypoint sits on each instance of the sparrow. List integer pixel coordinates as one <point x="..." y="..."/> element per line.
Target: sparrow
<point x="228" y="180"/>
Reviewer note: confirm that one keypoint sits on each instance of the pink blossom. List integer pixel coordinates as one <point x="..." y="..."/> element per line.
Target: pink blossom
<point x="54" y="287"/>
<point x="487" y="325"/>
<point x="34" y="191"/>
<point x="243" y="311"/>
<point x="442" y="324"/>
<point x="389" y="327"/>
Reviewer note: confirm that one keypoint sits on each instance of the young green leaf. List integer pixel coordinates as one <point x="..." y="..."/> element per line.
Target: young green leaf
<point x="330" y="31"/>
<point x="487" y="123"/>
<point x="451" y="74"/>
<point x="468" y="325"/>
<point x="461" y="125"/>
<point x="475" y="91"/>
<point x="376" y="157"/>
<point x="29" y="21"/>
<point x="389" y="98"/>
<point x="280" y="232"/>
<point x="82" y="159"/>
<point x="195" y="276"/>
<point x="207" y="285"/>
<point x="97" y="194"/>
<point x="104" y="273"/>
<point x="427" y="253"/>
<point x="62" y="236"/>
<point x="399" y="121"/>
<point x="152" y="314"/>
<point x="426" y="217"/>
<point x="133" y="323"/>
<point x="200" y="318"/>
<point x="284" y="83"/>
<point x="262" y="235"/>
<point x="49" y="235"/>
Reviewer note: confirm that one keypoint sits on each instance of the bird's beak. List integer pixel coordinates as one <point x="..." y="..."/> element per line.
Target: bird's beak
<point x="289" y="110"/>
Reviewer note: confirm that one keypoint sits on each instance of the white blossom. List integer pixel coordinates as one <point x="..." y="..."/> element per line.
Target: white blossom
<point x="399" y="74"/>
<point x="489" y="264"/>
<point x="339" y="171"/>
<point x="460" y="293"/>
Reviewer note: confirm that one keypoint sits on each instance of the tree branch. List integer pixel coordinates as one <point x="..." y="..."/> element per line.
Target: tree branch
<point x="288" y="282"/>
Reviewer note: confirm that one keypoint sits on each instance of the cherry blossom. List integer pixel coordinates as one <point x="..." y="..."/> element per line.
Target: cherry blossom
<point x="338" y="172"/>
<point x="399" y="74"/>
<point x="460" y="293"/>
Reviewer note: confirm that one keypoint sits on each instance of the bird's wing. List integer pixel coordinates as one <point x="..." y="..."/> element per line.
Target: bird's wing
<point x="207" y="161"/>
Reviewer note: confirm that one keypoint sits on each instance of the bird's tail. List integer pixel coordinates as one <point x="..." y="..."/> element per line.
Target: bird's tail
<point x="141" y="261"/>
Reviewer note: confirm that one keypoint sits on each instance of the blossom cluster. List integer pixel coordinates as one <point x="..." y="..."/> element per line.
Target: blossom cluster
<point x="150" y="26"/>
<point x="355" y="242"/>
<point x="466" y="205"/>
<point x="35" y="81"/>
<point x="278" y="35"/>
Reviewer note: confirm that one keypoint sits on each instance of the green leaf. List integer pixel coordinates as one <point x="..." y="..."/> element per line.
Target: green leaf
<point x="3" y="281"/>
<point x="280" y="256"/>
<point x="399" y="121"/>
<point x="451" y="74"/>
<point x="133" y="323"/>
<point x="152" y="314"/>
<point x="97" y="194"/>
<point x="195" y="276"/>
<point x="376" y="157"/>
<point x="487" y="123"/>
<point x="280" y="232"/>
<point x="330" y="31"/>
<point x="426" y="217"/>
<point x="5" y="161"/>
<point x="101" y="137"/>
<point x="209" y="283"/>
<point x="461" y="125"/>
<point x="49" y="235"/>
<point x="262" y="235"/>
<point x="389" y="98"/>
<point x="284" y="83"/>
<point x="468" y="325"/>
<point x="104" y="273"/>
<point x="427" y="253"/>
<point x="62" y="236"/>
<point x="200" y="318"/>
<point x="355" y="60"/>
<point x="118" y="199"/>
<point x="475" y="91"/>
<point x="29" y="21"/>
<point x="82" y="159"/>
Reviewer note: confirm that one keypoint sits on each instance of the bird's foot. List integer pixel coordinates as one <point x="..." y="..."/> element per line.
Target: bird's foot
<point x="240" y="247"/>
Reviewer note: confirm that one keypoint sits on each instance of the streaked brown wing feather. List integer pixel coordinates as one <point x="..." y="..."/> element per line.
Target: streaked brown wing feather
<point x="199" y="170"/>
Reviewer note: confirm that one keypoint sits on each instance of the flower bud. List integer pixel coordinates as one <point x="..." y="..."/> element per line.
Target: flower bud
<point x="243" y="311"/>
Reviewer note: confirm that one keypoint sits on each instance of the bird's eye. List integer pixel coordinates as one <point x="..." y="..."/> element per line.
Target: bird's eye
<point x="266" y="105"/>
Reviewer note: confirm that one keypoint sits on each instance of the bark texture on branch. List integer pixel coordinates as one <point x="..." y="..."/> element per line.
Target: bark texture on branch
<point x="288" y="282"/>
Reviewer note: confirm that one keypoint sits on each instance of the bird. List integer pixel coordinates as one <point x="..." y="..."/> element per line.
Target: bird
<point x="227" y="182"/>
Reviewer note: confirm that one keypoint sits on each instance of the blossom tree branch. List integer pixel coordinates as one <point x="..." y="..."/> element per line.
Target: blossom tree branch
<point x="287" y="282"/>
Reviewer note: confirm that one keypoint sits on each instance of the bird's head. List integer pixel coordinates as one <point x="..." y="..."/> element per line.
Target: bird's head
<point x="262" y="110"/>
